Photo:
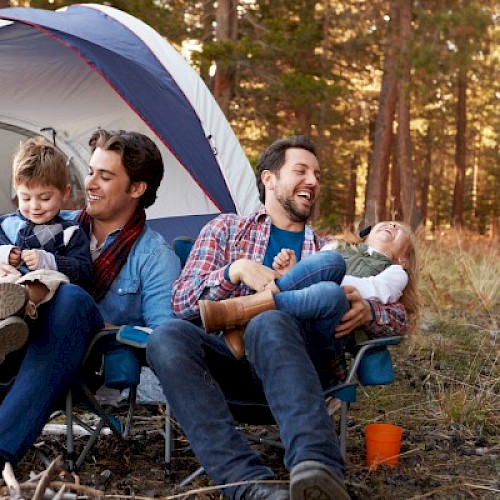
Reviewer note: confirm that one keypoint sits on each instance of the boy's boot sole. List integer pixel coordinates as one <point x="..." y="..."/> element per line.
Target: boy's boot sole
<point x="13" y="335"/>
<point x="13" y="298"/>
<point x="311" y="480"/>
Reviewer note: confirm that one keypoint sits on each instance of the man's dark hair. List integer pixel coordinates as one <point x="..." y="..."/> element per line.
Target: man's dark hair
<point x="273" y="158"/>
<point x="140" y="157"/>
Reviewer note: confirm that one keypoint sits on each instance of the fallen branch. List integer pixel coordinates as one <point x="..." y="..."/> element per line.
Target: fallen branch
<point x="57" y="485"/>
<point x="10" y="479"/>
<point x="51" y="471"/>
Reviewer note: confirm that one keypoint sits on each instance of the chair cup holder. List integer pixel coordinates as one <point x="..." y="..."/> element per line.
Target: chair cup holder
<point x="376" y="367"/>
<point x="122" y="368"/>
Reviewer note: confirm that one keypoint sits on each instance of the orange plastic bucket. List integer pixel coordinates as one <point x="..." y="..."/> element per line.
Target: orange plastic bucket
<point x="383" y="444"/>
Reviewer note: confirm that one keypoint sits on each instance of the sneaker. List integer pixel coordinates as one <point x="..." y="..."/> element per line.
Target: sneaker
<point x="13" y="335"/>
<point x="13" y="298"/>
<point x="311" y="480"/>
<point x="263" y="491"/>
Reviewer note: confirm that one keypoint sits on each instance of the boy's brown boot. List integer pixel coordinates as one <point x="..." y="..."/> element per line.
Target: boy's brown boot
<point x="235" y="341"/>
<point x="231" y="313"/>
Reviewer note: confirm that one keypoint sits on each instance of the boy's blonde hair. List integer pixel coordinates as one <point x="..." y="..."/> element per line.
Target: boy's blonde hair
<point x="37" y="162"/>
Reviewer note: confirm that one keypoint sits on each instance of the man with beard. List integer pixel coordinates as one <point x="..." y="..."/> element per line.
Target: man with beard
<point x="233" y="256"/>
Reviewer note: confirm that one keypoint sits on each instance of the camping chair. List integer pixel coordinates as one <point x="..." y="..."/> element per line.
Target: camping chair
<point x="371" y="364"/>
<point x="125" y="367"/>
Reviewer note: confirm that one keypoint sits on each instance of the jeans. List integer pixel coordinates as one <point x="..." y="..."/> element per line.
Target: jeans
<point x="199" y="374"/>
<point x="56" y="346"/>
<point x="311" y="291"/>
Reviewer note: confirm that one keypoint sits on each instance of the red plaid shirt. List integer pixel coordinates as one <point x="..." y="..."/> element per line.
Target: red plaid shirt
<point x="230" y="237"/>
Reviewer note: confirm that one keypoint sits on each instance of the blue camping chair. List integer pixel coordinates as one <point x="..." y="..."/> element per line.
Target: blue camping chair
<point x="124" y="364"/>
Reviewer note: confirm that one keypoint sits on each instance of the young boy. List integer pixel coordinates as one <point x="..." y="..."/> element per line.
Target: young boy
<point x="46" y="249"/>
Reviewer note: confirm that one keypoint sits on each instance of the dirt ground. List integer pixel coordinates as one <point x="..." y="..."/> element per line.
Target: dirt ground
<point x="440" y="458"/>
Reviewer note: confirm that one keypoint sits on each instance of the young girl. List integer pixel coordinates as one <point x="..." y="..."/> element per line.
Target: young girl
<point x="384" y="268"/>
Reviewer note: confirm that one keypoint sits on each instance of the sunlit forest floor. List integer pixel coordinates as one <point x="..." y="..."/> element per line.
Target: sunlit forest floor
<point x="446" y="397"/>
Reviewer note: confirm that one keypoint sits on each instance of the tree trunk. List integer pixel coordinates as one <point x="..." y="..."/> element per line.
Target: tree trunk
<point x="226" y="30"/>
<point x="408" y="201"/>
<point x="351" y="193"/>
<point x="395" y="198"/>
<point x="426" y="179"/>
<point x="376" y="187"/>
<point x="4" y="4"/>
<point x="460" y="151"/>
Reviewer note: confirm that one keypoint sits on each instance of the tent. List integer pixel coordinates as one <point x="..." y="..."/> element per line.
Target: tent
<point x="65" y="73"/>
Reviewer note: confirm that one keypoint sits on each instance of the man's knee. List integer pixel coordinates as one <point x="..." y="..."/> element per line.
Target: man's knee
<point x="72" y="296"/>
<point x="170" y="342"/>
<point x="271" y="327"/>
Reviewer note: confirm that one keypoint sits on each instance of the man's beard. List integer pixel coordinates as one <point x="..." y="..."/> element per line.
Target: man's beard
<point x="293" y="212"/>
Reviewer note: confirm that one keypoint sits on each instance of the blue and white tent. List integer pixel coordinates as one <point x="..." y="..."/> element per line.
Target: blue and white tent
<point x="64" y="73"/>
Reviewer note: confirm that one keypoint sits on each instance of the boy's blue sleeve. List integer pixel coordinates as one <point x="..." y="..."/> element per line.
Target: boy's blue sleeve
<point x="4" y="239"/>
<point x="76" y="263"/>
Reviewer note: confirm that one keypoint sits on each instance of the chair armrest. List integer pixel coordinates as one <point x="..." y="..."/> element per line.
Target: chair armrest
<point x="383" y="341"/>
<point x="366" y="346"/>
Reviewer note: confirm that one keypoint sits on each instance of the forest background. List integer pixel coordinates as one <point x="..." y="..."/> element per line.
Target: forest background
<point x="402" y="96"/>
<point x="403" y="99"/>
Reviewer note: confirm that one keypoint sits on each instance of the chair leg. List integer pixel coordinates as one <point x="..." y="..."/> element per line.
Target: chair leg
<point x="113" y="425"/>
<point x="90" y="443"/>
<point x="192" y="477"/>
<point x="70" y="444"/>
<point x="344" y="407"/>
<point x="131" y="408"/>
<point x="168" y="442"/>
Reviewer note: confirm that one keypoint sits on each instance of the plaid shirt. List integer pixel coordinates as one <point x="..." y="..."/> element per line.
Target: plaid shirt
<point x="230" y="237"/>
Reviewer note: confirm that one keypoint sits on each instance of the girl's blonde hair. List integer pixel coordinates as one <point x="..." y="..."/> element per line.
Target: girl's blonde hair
<point x="37" y="162"/>
<point x="411" y="297"/>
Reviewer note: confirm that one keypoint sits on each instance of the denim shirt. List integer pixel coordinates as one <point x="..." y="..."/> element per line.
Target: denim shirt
<point x="140" y="295"/>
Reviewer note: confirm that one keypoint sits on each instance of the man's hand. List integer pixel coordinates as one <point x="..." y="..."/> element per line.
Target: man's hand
<point x="251" y="273"/>
<point x="31" y="258"/>
<point x="284" y="261"/>
<point x="15" y="257"/>
<point x="360" y="313"/>
<point x="6" y="269"/>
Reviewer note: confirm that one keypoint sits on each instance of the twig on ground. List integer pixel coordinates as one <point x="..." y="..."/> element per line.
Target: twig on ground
<point x="51" y="471"/>
<point x="453" y="486"/>
<point x="10" y="479"/>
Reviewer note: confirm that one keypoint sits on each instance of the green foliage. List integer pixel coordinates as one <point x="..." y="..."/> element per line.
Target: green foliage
<point x="303" y="66"/>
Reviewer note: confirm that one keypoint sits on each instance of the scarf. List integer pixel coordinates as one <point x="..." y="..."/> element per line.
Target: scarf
<point x="108" y="265"/>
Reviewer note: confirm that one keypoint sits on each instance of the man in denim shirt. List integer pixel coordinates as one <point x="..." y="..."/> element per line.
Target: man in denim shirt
<point x="123" y="177"/>
<point x="134" y="270"/>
